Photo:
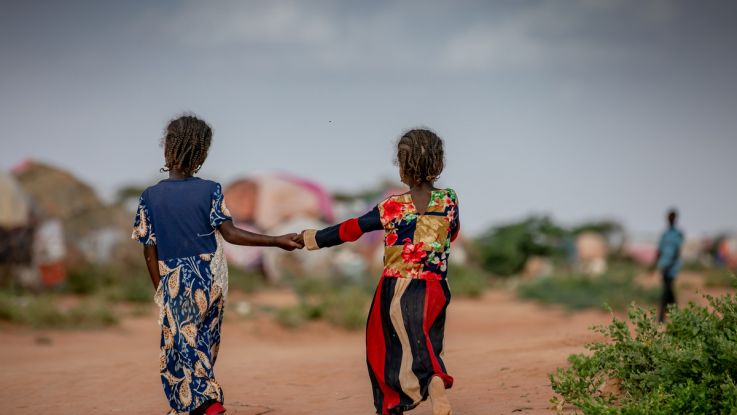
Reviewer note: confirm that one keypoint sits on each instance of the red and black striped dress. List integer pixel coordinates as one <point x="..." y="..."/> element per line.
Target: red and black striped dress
<point x="405" y="329"/>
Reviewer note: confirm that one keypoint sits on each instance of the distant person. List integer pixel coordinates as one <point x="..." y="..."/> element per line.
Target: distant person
<point x="406" y="322"/>
<point x="182" y="221"/>
<point x="668" y="261"/>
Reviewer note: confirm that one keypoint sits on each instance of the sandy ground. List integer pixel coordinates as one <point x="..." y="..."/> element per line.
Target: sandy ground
<point x="499" y="349"/>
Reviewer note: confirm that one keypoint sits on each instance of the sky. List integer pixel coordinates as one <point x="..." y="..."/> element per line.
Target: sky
<point x="580" y="109"/>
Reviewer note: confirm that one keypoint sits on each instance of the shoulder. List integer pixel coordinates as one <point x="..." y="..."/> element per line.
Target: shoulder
<point x="395" y="200"/>
<point x="207" y="186"/>
<point x="451" y="194"/>
<point x="211" y="185"/>
<point x="147" y="192"/>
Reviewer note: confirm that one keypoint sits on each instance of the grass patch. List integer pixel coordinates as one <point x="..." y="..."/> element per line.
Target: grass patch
<point x="45" y="312"/>
<point x="642" y="367"/>
<point x="344" y="302"/>
<point x="245" y="281"/>
<point x="719" y="277"/>
<point x="615" y="288"/>
<point x="115" y="284"/>
<point x="341" y="302"/>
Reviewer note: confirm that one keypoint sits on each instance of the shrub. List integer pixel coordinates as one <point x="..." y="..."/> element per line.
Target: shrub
<point x="686" y="367"/>
<point x="504" y="250"/>
<point x="616" y="288"/>
<point x="467" y="281"/>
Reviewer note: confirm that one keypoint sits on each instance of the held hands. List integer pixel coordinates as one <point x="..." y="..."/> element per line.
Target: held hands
<point x="289" y="242"/>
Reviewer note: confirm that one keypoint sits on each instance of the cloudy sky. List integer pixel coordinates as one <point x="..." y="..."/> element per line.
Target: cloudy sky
<point x="582" y="109"/>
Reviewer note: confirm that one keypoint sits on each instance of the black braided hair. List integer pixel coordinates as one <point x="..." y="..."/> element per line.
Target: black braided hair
<point x="186" y="141"/>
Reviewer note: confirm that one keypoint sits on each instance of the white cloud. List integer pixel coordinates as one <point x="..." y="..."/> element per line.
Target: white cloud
<point x="397" y="37"/>
<point x="230" y="23"/>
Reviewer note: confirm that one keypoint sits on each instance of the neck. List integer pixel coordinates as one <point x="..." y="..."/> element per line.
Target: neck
<point x="422" y="186"/>
<point x="178" y="174"/>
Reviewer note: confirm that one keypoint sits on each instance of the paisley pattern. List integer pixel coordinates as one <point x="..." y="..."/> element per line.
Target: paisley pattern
<point x="191" y="298"/>
<point x="191" y="318"/>
<point x="142" y="228"/>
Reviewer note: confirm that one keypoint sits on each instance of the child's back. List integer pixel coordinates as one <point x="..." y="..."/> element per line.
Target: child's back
<point x="182" y="221"/>
<point x="185" y="213"/>
<point x="405" y="327"/>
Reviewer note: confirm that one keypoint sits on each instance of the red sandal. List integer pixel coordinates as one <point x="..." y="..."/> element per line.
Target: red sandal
<point x="215" y="409"/>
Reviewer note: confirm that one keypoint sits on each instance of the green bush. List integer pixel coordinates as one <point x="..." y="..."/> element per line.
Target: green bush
<point x="686" y="367"/>
<point x="467" y="281"/>
<point x="616" y="288"/>
<point x="504" y="250"/>
<point x="84" y="280"/>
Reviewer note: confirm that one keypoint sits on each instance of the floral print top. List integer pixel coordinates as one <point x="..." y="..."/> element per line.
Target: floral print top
<point x="417" y="245"/>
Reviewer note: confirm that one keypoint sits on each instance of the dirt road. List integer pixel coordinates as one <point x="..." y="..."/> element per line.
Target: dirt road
<point x="499" y="350"/>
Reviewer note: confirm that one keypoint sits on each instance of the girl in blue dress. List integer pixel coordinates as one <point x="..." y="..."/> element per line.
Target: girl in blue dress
<point x="182" y="222"/>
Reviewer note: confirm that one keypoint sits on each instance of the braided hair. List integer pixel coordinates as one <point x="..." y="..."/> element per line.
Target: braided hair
<point x="420" y="157"/>
<point x="186" y="141"/>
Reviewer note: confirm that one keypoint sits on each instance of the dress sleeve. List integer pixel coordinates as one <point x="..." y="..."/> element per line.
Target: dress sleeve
<point x="455" y="220"/>
<point x="219" y="213"/>
<point x="347" y="231"/>
<point x="143" y="226"/>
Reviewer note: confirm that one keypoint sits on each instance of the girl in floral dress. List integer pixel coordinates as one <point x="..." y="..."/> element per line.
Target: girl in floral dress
<point x="182" y="222"/>
<point x="405" y="329"/>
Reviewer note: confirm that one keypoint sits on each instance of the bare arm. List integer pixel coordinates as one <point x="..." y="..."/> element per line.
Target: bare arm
<point x="239" y="236"/>
<point x="152" y="263"/>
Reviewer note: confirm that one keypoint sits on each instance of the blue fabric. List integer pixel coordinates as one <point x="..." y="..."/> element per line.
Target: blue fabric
<point x="670" y="252"/>
<point x="190" y="336"/>
<point x="179" y="217"/>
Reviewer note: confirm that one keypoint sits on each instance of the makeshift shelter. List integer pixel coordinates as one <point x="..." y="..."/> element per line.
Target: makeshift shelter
<point x="16" y="232"/>
<point x="591" y="250"/>
<point x="91" y="230"/>
<point x="269" y="200"/>
<point x="263" y="203"/>
<point x="15" y="207"/>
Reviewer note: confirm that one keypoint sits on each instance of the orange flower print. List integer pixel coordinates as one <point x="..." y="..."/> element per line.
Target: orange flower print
<point x="413" y="253"/>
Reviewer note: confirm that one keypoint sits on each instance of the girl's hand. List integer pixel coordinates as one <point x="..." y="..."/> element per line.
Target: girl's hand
<point x="289" y="242"/>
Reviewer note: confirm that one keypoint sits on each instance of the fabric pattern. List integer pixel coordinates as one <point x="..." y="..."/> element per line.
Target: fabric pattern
<point x="406" y="322"/>
<point x="191" y="298"/>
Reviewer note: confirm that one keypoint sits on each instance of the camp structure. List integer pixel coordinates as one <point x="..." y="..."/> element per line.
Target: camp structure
<point x="70" y="214"/>
<point x="16" y="233"/>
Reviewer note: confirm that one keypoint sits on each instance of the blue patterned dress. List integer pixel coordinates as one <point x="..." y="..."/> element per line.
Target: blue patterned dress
<point x="181" y="217"/>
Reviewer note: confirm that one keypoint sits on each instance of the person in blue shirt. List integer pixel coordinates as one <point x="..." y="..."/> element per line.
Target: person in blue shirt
<point x="182" y="222"/>
<point x="668" y="261"/>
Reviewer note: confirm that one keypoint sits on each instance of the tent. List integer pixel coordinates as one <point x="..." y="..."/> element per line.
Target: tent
<point x="270" y="200"/>
<point x="14" y="204"/>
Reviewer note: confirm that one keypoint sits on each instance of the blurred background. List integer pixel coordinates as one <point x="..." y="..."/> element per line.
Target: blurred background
<point x="570" y="128"/>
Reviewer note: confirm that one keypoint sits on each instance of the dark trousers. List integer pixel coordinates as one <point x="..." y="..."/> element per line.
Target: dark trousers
<point x="669" y="296"/>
